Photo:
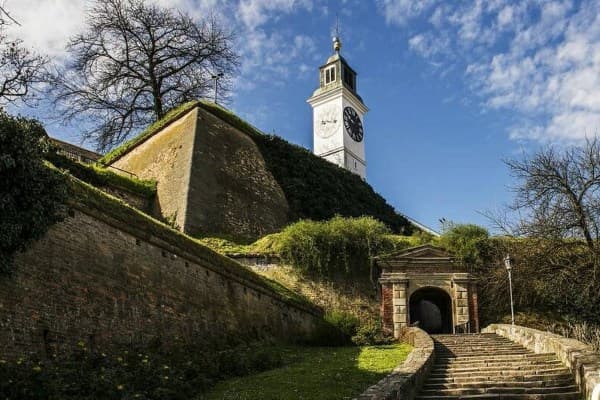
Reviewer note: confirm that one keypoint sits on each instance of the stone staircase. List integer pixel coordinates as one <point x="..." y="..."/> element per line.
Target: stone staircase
<point x="488" y="366"/>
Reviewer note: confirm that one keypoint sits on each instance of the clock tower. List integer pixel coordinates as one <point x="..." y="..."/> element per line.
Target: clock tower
<point x="338" y="113"/>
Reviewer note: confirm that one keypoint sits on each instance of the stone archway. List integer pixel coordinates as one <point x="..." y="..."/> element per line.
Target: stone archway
<point x="427" y="282"/>
<point x="430" y="309"/>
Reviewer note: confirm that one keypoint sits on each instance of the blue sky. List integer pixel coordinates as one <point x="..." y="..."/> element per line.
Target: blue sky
<point x="453" y="87"/>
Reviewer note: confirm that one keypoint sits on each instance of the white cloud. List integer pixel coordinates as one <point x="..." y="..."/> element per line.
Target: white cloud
<point x="46" y="25"/>
<point x="539" y="59"/>
<point x="254" y="13"/>
<point x="402" y="11"/>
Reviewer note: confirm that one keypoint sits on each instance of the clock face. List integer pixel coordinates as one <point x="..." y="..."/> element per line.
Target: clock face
<point x="353" y="124"/>
<point x="326" y="123"/>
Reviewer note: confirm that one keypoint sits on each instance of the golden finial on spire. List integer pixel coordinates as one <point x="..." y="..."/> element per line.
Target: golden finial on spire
<point x="337" y="42"/>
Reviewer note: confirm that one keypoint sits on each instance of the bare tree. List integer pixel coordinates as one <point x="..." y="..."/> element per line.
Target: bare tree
<point x="559" y="192"/>
<point x="134" y="62"/>
<point x="21" y="69"/>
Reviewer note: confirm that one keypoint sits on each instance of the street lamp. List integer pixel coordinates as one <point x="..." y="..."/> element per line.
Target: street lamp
<point x="507" y="264"/>
<point x="216" y="78"/>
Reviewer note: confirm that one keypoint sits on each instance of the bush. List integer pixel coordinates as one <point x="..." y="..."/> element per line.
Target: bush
<point x="465" y="241"/>
<point x="336" y="329"/>
<point x="340" y="246"/>
<point x="370" y="332"/>
<point x="32" y="196"/>
<point x="555" y="276"/>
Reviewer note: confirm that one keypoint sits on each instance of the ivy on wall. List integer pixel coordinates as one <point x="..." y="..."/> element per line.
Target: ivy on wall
<point x="32" y="196"/>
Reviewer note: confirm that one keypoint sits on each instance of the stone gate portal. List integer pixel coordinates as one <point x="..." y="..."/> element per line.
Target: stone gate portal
<point x="426" y="286"/>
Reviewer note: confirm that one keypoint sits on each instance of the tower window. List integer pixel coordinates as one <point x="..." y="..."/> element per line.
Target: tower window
<point x="349" y="78"/>
<point x="330" y="75"/>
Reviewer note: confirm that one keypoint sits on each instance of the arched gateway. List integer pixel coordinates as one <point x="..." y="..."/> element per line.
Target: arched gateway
<point x="426" y="286"/>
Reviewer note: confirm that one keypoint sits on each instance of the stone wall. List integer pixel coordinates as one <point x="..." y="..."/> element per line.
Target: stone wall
<point x="167" y="158"/>
<point x="103" y="280"/>
<point x="407" y="379"/>
<point x="583" y="362"/>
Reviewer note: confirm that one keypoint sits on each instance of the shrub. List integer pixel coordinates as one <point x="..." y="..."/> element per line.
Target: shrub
<point x="340" y="246"/>
<point x="32" y="195"/>
<point x="335" y="329"/>
<point x="465" y="241"/>
<point x="370" y="332"/>
<point x="347" y="323"/>
<point x="548" y="276"/>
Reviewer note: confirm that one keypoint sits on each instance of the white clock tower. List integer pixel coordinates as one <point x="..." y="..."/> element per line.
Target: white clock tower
<point x="338" y="113"/>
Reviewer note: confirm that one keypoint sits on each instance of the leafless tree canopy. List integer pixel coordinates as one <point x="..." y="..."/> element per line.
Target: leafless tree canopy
<point x="134" y="62"/>
<point x="559" y="191"/>
<point x="21" y="69"/>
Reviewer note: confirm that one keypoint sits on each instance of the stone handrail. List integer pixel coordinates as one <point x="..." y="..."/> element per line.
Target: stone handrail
<point x="405" y="381"/>
<point x="581" y="359"/>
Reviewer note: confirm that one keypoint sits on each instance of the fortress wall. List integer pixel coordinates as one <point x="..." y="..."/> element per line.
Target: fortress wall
<point x="231" y="189"/>
<point x="166" y="157"/>
<point x="97" y="280"/>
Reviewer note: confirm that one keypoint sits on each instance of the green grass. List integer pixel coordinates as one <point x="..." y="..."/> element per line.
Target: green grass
<point x="100" y="176"/>
<point x="321" y="373"/>
<point x="170" y="117"/>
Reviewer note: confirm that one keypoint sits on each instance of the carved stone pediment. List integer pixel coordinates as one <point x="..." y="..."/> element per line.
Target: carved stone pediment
<point x="426" y="257"/>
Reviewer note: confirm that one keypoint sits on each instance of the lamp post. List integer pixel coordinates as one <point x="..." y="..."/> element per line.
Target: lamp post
<point x="216" y="78"/>
<point x="508" y="265"/>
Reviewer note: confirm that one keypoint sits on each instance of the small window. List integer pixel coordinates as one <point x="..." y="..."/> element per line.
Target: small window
<point x="329" y="75"/>
<point x="349" y="78"/>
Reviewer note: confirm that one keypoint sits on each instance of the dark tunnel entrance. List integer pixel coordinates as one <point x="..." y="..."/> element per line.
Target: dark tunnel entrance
<point x="431" y="310"/>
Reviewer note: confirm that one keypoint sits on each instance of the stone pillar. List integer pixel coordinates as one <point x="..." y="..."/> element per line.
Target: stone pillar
<point x="461" y="299"/>
<point x="400" y="307"/>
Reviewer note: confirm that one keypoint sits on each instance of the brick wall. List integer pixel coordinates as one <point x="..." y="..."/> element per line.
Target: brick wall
<point x="95" y="279"/>
<point x="387" y="308"/>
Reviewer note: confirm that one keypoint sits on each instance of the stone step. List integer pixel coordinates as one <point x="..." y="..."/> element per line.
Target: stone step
<point x="501" y="390"/>
<point x="565" y="380"/>
<point x="504" y="396"/>
<point x="476" y="377"/>
<point x="491" y="367"/>
<point x="498" y="365"/>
